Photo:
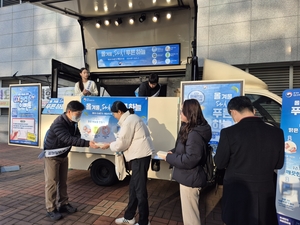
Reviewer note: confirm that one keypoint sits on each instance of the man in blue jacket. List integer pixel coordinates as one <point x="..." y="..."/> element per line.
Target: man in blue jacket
<point x="61" y="136"/>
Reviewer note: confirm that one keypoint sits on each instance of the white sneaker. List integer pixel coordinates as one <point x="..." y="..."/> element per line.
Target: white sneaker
<point x="125" y="221"/>
<point x="138" y="223"/>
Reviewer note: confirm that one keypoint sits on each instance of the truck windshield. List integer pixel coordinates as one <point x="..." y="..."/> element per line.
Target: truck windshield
<point x="266" y="108"/>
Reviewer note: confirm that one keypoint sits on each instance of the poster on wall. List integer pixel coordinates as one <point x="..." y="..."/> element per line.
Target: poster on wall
<point x="97" y="121"/>
<point x="213" y="97"/>
<point x="288" y="178"/>
<point x="24" y="114"/>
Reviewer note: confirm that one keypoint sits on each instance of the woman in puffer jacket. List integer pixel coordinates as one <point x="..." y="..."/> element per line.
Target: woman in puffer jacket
<point x="187" y="157"/>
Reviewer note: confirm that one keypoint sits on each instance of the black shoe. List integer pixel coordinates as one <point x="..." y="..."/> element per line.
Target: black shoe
<point x="54" y="215"/>
<point x="67" y="208"/>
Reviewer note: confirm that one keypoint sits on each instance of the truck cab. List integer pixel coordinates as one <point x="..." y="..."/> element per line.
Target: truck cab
<point x="267" y="104"/>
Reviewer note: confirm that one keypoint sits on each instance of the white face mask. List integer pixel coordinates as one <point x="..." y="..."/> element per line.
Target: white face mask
<point x="75" y="119"/>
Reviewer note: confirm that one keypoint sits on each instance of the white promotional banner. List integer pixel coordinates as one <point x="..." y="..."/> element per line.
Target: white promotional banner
<point x="288" y="178"/>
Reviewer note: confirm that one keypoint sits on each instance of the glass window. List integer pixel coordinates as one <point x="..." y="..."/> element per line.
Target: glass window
<point x="266" y="108"/>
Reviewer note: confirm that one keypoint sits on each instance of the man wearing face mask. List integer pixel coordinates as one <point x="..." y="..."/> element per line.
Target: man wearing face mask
<point x="59" y="139"/>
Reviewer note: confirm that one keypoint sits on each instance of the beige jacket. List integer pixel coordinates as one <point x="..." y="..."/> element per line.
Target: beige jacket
<point x="133" y="138"/>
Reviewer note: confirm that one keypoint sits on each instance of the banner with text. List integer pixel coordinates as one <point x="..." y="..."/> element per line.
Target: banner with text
<point x="97" y="121"/>
<point x="24" y="114"/>
<point x="288" y="178"/>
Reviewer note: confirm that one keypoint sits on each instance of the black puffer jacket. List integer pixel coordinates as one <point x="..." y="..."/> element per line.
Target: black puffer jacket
<point x="186" y="158"/>
<point x="62" y="133"/>
<point x="146" y="90"/>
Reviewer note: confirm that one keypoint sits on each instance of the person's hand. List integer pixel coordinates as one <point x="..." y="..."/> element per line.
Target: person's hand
<point x="105" y="146"/>
<point x="165" y="157"/>
<point x="93" y="144"/>
<point x="86" y="92"/>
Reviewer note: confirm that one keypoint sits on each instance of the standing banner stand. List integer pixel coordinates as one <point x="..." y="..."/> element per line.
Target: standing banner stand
<point x="24" y="115"/>
<point x="213" y="97"/>
<point x="288" y="178"/>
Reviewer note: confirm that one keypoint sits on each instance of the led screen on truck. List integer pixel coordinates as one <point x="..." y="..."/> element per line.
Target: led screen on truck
<point x="137" y="56"/>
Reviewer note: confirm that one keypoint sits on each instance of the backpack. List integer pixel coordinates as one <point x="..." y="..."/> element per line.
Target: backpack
<point x="209" y="166"/>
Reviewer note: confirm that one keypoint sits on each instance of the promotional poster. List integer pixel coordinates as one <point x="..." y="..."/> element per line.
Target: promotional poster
<point x="97" y="121"/>
<point x="24" y="114"/>
<point x="288" y="178"/>
<point x="213" y="97"/>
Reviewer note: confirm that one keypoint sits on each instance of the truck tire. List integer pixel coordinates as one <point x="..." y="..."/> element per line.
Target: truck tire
<point x="103" y="172"/>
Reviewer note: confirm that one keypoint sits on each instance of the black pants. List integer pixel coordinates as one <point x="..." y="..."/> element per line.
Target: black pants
<point x="138" y="195"/>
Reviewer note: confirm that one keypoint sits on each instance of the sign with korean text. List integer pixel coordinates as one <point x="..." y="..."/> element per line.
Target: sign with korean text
<point x="54" y="107"/>
<point x="288" y="178"/>
<point x="213" y="97"/>
<point x="24" y="114"/>
<point x="150" y="55"/>
<point x="97" y="121"/>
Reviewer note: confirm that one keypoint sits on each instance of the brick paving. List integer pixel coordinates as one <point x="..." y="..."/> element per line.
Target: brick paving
<point x="22" y="196"/>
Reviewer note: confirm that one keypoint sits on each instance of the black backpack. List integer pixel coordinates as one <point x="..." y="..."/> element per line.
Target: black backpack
<point x="209" y="166"/>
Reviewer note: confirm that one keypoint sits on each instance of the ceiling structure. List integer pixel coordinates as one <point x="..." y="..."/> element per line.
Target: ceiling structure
<point x="86" y="9"/>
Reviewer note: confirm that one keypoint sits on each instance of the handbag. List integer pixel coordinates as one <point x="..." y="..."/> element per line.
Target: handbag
<point x="120" y="166"/>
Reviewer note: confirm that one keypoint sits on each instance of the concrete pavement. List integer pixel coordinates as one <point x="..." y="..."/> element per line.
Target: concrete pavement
<point x="22" y="196"/>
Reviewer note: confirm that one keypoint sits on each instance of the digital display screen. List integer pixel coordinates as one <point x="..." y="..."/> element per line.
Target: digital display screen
<point x="151" y="55"/>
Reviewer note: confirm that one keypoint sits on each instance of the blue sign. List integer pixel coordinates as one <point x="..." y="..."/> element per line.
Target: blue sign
<point x="213" y="97"/>
<point x="154" y="55"/>
<point x="25" y="104"/>
<point x="288" y="178"/>
<point x="54" y="107"/>
<point x="97" y="121"/>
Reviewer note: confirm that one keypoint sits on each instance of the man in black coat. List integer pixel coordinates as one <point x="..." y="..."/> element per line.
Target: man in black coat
<point x="250" y="151"/>
<point x="61" y="136"/>
<point x="150" y="88"/>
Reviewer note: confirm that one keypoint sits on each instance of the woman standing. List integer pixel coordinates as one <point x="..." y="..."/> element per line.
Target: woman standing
<point x="187" y="157"/>
<point x="85" y="86"/>
<point x="133" y="139"/>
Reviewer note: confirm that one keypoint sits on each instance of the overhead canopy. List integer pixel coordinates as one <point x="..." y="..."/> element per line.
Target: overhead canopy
<point x="85" y="9"/>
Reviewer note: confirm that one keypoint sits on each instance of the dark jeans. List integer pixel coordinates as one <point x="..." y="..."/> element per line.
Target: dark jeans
<point x="138" y="196"/>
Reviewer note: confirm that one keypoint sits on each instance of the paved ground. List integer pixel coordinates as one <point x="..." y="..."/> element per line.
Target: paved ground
<point x="22" y="196"/>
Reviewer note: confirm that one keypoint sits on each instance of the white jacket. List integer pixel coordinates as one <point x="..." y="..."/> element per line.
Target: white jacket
<point x="89" y="85"/>
<point x="133" y="138"/>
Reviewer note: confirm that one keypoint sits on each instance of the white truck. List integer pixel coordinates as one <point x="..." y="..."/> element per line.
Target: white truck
<point x="163" y="123"/>
<point x="104" y="42"/>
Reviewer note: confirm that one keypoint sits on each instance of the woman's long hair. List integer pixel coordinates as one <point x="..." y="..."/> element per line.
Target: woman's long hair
<point x="81" y="87"/>
<point x="191" y="109"/>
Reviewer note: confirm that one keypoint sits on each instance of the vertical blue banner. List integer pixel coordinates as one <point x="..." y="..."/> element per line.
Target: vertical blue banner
<point x="213" y="97"/>
<point x="24" y="114"/>
<point x="288" y="178"/>
<point x="97" y="121"/>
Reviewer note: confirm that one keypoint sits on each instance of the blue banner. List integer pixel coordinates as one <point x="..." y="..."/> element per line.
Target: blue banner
<point x="54" y="107"/>
<point x="154" y="55"/>
<point x="24" y="114"/>
<point x="97" y="121"/>
<point x="288" y="178"/>
<point x="213" y="97"/>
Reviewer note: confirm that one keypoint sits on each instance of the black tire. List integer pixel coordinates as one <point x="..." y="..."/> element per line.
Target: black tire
<point x="103" y="172"/>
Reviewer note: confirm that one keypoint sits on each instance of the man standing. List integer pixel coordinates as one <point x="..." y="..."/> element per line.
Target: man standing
<point x="61" y="136"/>
<point x="150" y="88"/>
<point x="250" y="151"/>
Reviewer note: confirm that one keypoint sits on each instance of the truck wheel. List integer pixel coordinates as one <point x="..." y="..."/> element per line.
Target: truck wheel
<point x="103" y="172"/>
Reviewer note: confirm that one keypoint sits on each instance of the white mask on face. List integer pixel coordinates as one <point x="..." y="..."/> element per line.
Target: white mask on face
<point x="75" y="119"/>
